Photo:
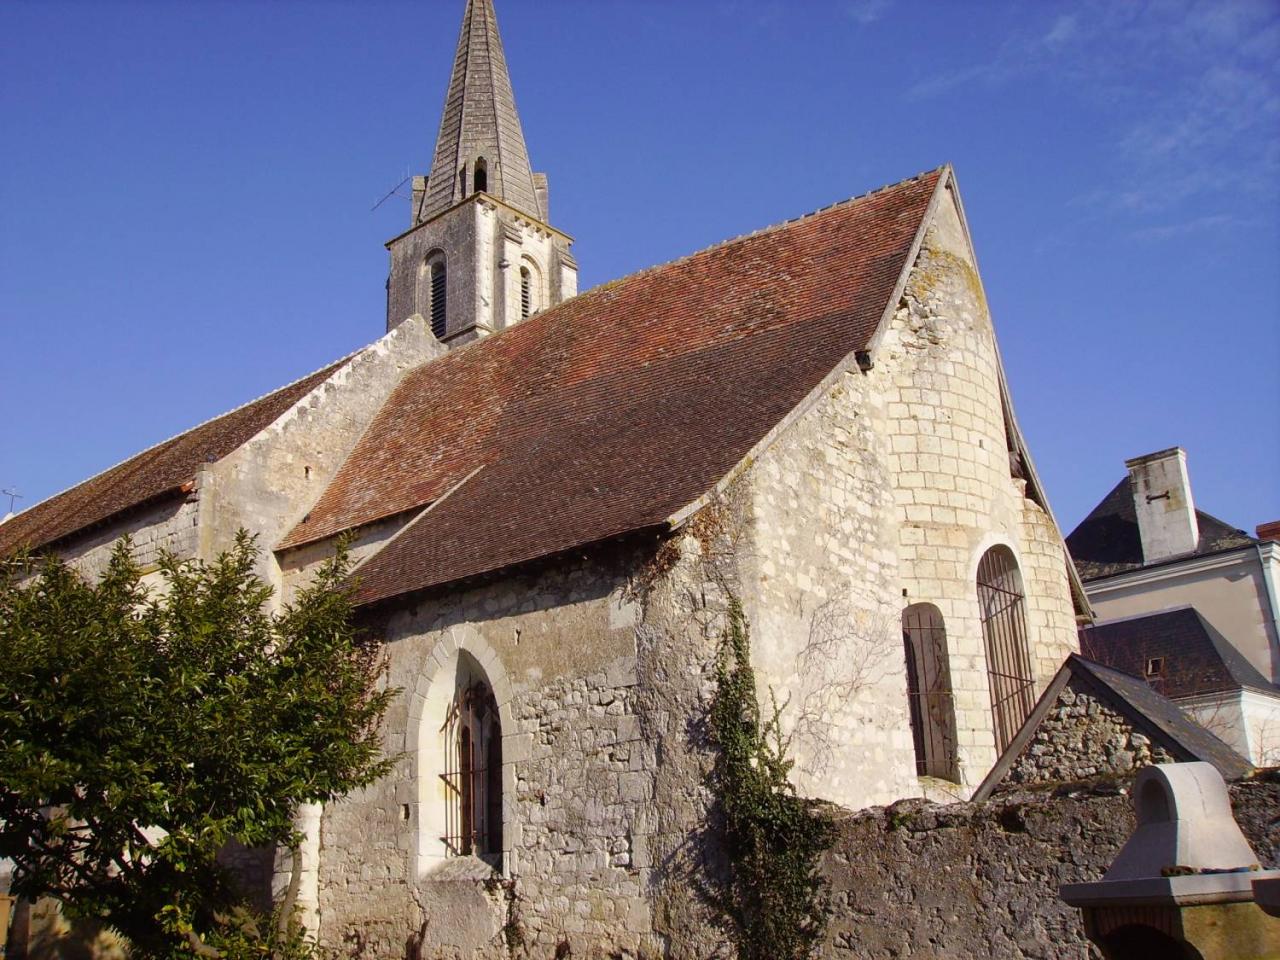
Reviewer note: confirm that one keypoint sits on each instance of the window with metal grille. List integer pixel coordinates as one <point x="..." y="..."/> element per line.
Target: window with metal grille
<point x="482" y="176"/>
<point x="439" y="299"/>
<point x="473" y="776"/>
<point x="1004" y="634"/>
<point x="933" y="713"/>
<point x="526" y="293"/>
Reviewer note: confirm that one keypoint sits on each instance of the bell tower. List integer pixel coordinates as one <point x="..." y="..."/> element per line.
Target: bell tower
<point x="479" y="254"/>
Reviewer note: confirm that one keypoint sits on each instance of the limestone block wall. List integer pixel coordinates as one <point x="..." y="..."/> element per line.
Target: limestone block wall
<point x="559" y="649"/>
<point x="171" y="525"/>
<point x="823" y="599"/>
<point x="1079" y="738"/>
<point x="485" y="243"/>
<point x="952" y="481"/>
<point x="886" y="493"/>
<point x="269" y="484"/>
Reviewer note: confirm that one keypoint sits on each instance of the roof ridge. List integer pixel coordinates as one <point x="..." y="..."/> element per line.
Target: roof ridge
<point x="765" y="230"/>
<point x="601" y="287"/>
<point x="334" y="365"/>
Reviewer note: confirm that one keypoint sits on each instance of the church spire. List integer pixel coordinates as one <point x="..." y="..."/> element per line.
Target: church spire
<point x="481" y="147"/>
<point x="480" y="254"/>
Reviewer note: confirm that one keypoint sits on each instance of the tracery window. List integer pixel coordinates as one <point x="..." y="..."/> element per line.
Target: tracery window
<point x="473" y="775"/>
<point x="1004" y="634"/>
<point x="933" y="714"/>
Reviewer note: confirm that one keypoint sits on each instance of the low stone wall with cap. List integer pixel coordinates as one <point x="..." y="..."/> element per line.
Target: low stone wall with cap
<point x="980" y="879"/>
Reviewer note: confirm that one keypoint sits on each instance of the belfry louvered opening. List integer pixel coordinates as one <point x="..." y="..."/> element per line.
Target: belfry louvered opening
<point x="439" y="298"/>
<point x="1004" y="635"/>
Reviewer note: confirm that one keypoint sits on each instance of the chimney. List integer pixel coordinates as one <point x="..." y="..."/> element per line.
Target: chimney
<point x="1269" y="531"/>
<point x="1162" y="500"/>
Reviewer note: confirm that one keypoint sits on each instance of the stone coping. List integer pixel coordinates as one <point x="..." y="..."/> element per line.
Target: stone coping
<point x="1187" y="891"/>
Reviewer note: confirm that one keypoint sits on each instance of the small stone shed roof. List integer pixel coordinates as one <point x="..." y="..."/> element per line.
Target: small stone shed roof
<point x="161" y="471"/>
<point x="1107" y="541"/>
<point x="1151" y="714"/>
<point x="616" y="410"/>
<point x="1195" y="658"/>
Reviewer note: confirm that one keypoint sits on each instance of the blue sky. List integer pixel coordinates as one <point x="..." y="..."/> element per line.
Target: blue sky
<point x="185" y="216"/>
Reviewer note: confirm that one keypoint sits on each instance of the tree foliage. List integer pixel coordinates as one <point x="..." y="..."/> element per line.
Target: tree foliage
<point x="142" y="731"/>
<point x="774" y="898"/>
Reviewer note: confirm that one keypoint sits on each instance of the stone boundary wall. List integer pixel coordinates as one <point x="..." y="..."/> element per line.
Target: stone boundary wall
<point x="971" y="880"/>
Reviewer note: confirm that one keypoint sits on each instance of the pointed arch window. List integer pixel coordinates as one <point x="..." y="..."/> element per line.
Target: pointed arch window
<point x="1004" y="634"/>
<point x="481" y="179"/>
<point x="933" y="714"/>
<point x="473" y="779"/>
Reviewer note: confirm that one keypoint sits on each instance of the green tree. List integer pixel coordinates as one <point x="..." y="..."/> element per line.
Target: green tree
<point x="141" y="732"/>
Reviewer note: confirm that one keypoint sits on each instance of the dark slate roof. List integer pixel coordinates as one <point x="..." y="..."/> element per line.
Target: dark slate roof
<point x="1107" y="541"/>
<point x="1150" y="713"/>
<point x="614" y="411"/>
<point x="1197" y="658"/>
<point x="162" y="470"/>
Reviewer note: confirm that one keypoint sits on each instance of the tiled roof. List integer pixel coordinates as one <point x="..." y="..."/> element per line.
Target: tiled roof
<point x="615" y="410"/>
<point x="161" y="470"/>
<point x="1196" y="658"/>
<point x="1107" y="541"/>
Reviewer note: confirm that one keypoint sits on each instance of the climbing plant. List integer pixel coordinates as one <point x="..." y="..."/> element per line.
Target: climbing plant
<point x="774" y="898"/>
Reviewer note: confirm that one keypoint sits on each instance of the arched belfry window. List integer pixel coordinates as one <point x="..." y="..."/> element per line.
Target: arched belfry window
<point x="1004" y="634"/>
<point x="526" y="293"/>
<point x="933" y="714"/>
<point x="482" y="176"/>
<point x="473" y="779"/>
<point x="433" y="293"/>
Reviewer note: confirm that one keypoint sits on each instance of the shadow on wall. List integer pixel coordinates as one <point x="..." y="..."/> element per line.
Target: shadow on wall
<point x="40" y="932"/>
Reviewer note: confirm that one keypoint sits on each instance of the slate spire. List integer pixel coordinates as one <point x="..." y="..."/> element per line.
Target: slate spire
<point x="481" y="145"/>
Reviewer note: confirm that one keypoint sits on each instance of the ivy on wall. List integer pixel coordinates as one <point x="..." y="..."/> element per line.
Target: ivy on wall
<point x="774" y="899"/>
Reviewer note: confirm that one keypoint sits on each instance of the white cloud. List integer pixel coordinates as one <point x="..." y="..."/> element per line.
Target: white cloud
<point x="867" y="11"/>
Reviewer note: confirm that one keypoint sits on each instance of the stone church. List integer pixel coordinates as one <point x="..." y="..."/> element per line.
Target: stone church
<point x="554" y="495"/>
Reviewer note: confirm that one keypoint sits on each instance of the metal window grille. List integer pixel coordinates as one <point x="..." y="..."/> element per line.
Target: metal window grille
<point x="933" y="715"/>
<point x="1004" y="634"/>
<point x="473" y="782"/>
<point x="439" y="299"/>
<point x="526" y="293"/>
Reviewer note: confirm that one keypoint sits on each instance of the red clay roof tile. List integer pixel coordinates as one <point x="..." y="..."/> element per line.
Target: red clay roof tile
<point x="615" y="410"/>
<point x="162" y="469"/>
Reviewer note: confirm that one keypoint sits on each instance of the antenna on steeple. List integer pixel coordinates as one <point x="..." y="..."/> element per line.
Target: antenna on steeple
<point x="12" y="495"/>
<point x="394" y="191"/>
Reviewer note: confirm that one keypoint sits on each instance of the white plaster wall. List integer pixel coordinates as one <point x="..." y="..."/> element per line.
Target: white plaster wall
<point x="1228" y="590"/>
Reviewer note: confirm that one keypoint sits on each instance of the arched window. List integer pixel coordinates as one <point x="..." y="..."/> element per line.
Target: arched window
<point x="473" y="779"/>
<point x="933" y="714"/>
<point x="462" y="182"/>
<point x="1004" y="634"/>
<point x="526" y="293"/>
<point x="482" y="176"/>
<point x="433" y="293"/>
